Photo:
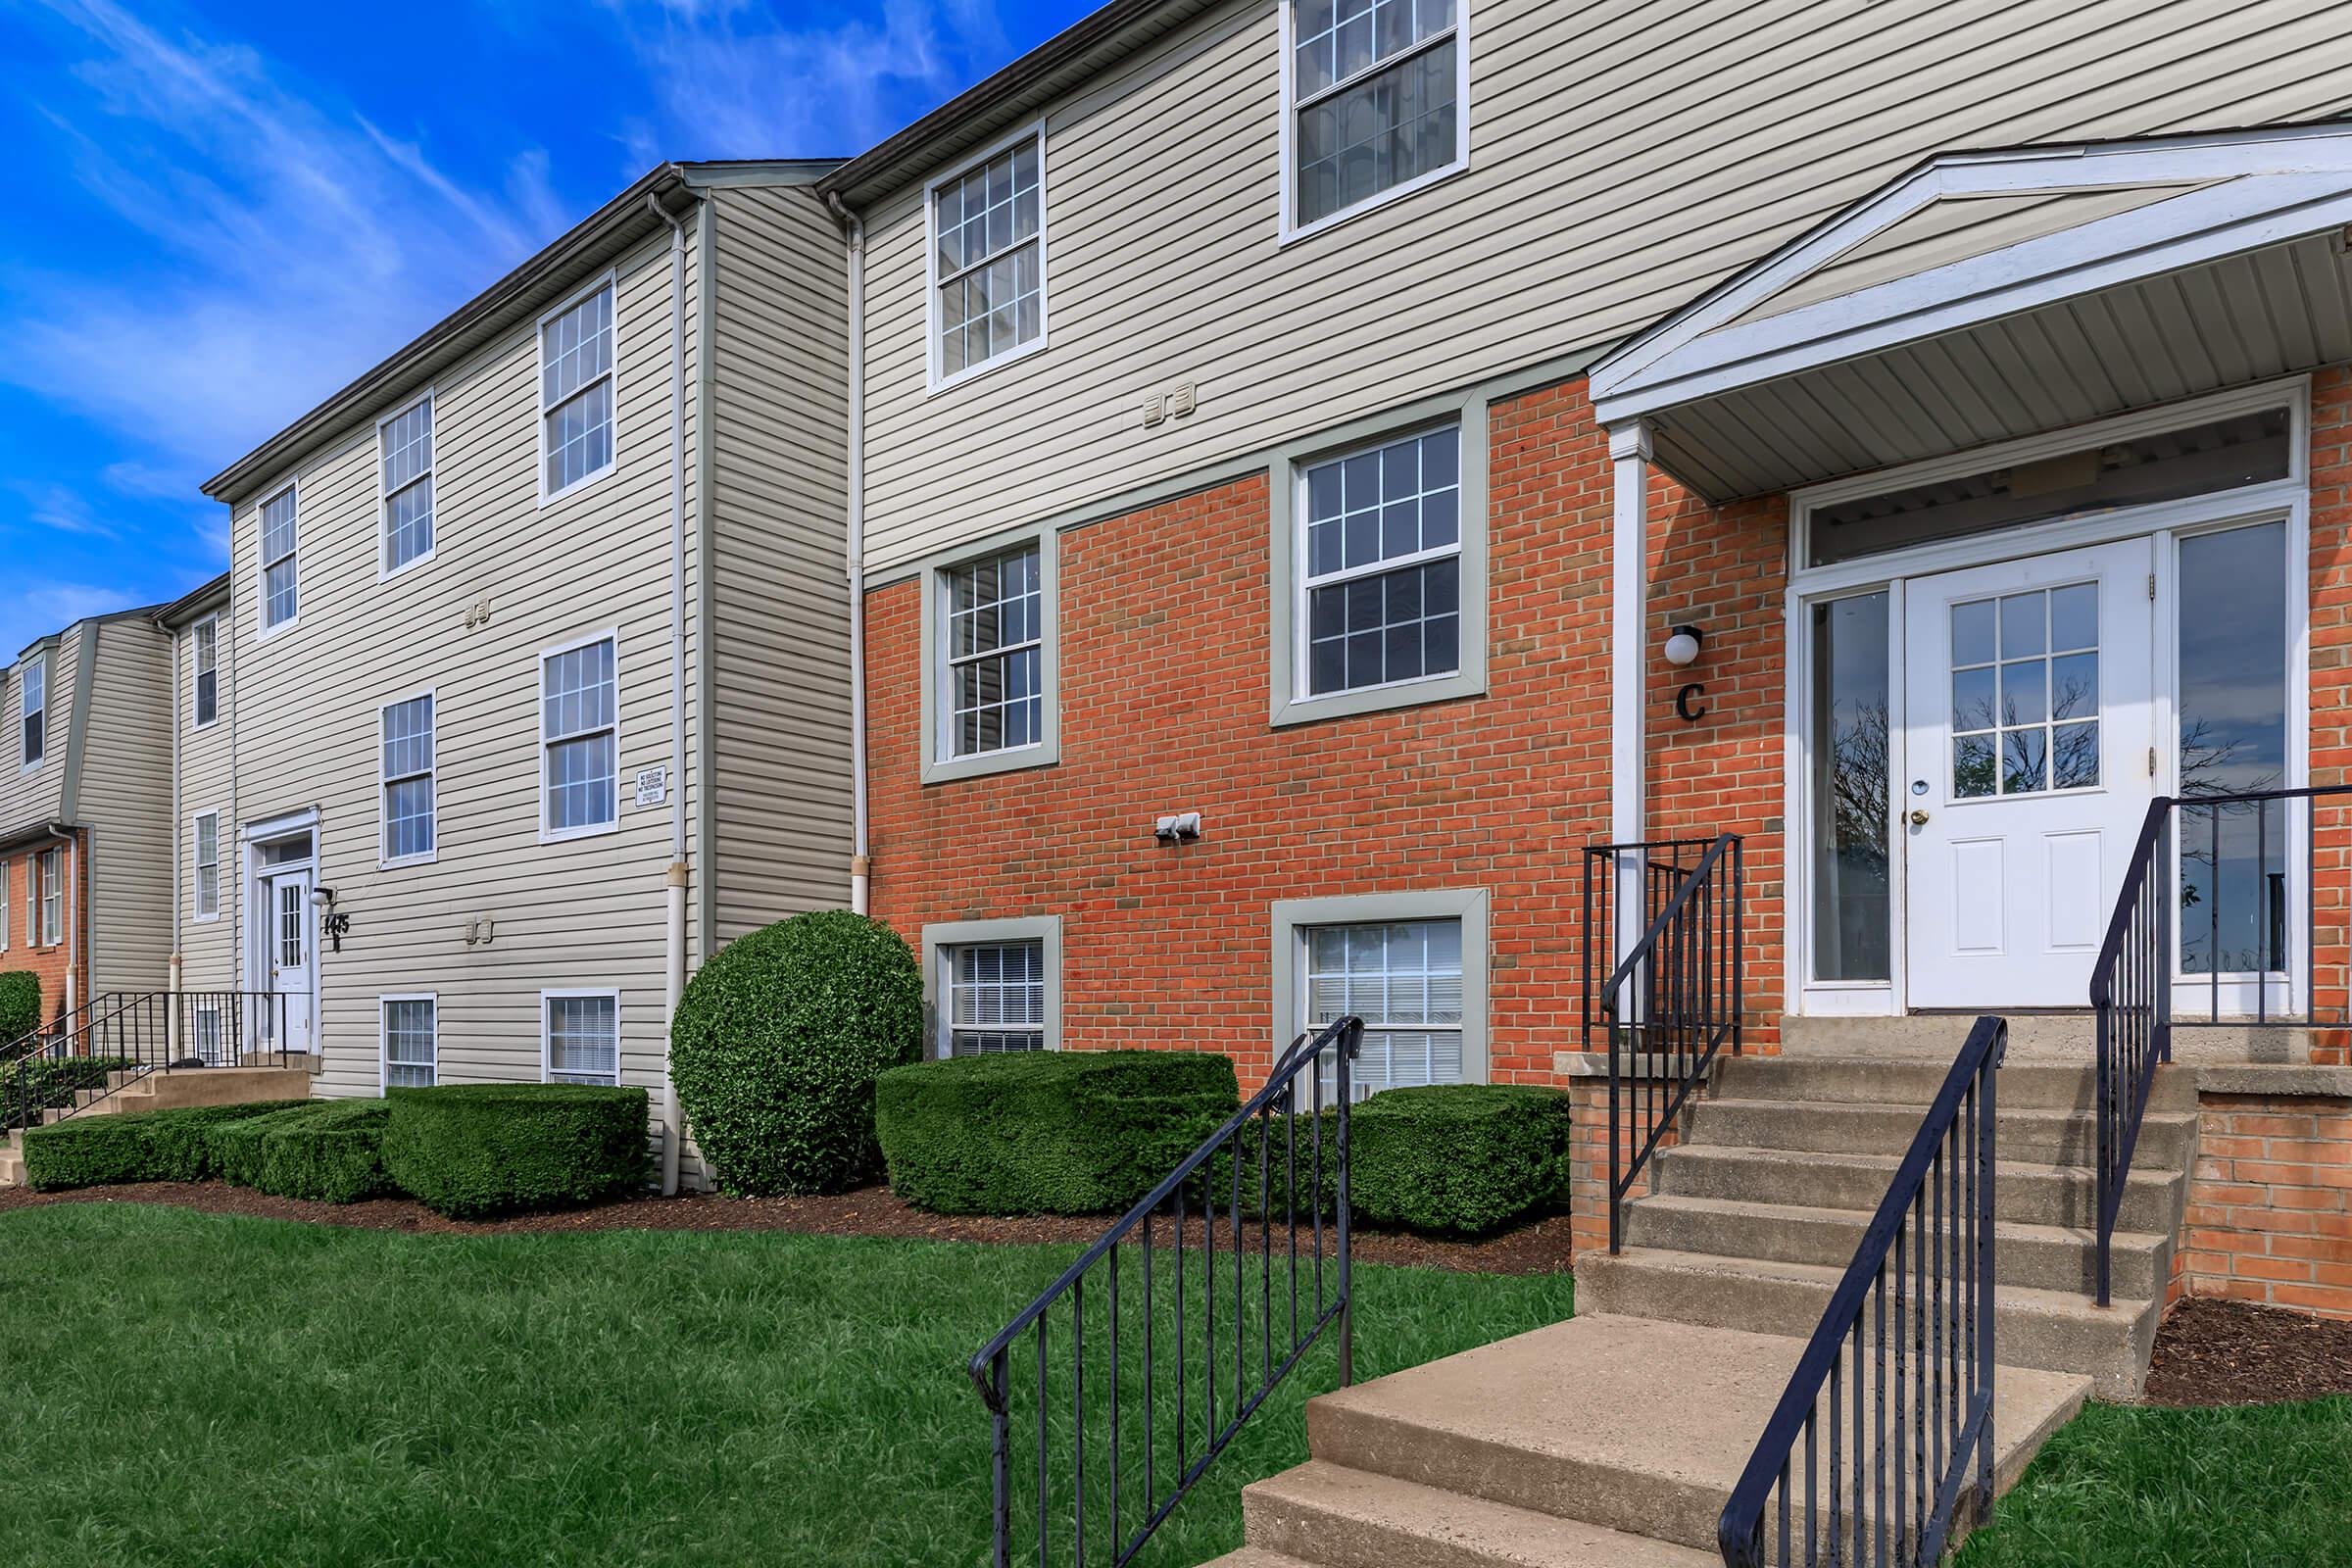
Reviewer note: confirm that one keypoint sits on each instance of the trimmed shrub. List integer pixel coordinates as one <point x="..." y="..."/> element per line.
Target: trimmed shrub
<point x="47" y="1083"/>
<point x="327" y="1150"/>
<point x="470" y="1150"/>
<point x="20" y="1004"/>
<point x="140" y="1146"/>
<point x="1458" y="1159"/>
<point x="1047" y="1132"/>
<point x="778" y="1042"/>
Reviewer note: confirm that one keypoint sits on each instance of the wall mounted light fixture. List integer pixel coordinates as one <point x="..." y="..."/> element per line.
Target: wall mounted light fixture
<point x="1682" y="648"/>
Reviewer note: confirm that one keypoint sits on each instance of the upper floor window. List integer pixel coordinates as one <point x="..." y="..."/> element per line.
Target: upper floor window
<point x="407" y="780"/>
<point x="579" y="740"/>
<point x="988" y="259"/>
<point x="404" y="471"/>
<point x="1378" y="93"/>
<point x="995" y="642"/>
<point x="576" y="393"/>
<point x="281" y="541"/>
<point x="1380" y="544"/>
<point x="206" y="638"/>
<point x="207" y="865"/>
<point x="34" y="689"/>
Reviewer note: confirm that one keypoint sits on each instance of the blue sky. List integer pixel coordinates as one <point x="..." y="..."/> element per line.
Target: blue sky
<point x="223" y="213"/>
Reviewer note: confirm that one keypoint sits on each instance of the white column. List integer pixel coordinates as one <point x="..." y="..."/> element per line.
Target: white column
<point x="1629" y="607"/>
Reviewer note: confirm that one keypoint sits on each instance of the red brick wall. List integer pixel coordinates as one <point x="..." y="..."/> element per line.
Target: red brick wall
<point x="2331" y="704"/>
<point x="2269" y="1210"/>
<point x="48" y="963"/>
<point x="1165" y="651"/>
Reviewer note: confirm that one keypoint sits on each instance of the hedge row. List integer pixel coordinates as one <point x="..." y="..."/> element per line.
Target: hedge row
<point x="469" y="1150"/>
<point x="1458" y="1158"/>
<point x="20" y="1004"/>
<point x="463" y="1149"/>
<point x="1047" y="1132"/>
<point x="140" y="1146"/>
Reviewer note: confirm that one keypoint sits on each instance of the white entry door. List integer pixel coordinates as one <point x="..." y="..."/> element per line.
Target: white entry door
<point x="286" y="955"/>
<point x="2030" y="729"/>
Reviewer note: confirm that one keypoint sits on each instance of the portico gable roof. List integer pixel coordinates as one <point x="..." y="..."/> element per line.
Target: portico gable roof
<point x="1986" y="295"/>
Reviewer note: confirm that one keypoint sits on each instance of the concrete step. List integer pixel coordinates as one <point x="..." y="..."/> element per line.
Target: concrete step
<point x="2041" y="1136"/>
<point x="2056" y="1038"/>
<point x="1255" y="1558"/>
<point x="2053" y="1331"/>
<point x="1330" y="1515"/>
<point x="1895" y="1079"/>
<point x="1634" y="1425"/>
<point x="2044" y="1257"/>
<point x="2030" y="1193"/>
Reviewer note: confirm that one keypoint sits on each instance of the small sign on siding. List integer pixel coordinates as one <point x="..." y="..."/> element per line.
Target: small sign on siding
<point x="652" y="785"/>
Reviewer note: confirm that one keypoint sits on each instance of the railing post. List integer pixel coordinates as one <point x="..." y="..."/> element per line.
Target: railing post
<point x="1346" y="1049"/>
<point x="1000" y="1375"/>
<point x="1988" y="1261"/>
<point x="2168" y="959"/>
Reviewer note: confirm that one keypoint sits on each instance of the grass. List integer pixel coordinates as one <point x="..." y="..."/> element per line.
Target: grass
<point x="2256" y="1487"/>
<point x="198" y="1389"/>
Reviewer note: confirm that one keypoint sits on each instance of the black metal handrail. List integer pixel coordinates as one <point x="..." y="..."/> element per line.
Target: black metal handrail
<point x="124" y="1036"/>
<point x="2180" y="868"/>
<point x="1686" y="977"/>
<point x="1247" y="1367"/>
<point x="1911" y="1323"/>
<point x="64" y="1023"/>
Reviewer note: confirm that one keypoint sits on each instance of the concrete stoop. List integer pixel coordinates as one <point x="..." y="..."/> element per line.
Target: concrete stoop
<point x="167" y="1089"/>
<point x="1616" y="1438"/>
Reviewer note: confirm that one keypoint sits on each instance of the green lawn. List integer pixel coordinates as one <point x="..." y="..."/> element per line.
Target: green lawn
<point x="2261" y="1487"/>
<point x="190" y="1388"/>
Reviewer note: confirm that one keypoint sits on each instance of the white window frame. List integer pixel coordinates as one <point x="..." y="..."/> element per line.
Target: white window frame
<point x="940" y="940"/>
<point x="940" y="764"/>
<point x="547" y="497"/>
<point x="27" y="721"/>
<point x="205" y="632"/>
<point x="46" y="903"/>
<point x="386" y="573"/>
<point x="8" y="870"/>
<point x="1294" y="918"/>
<point x="199" y="912"/>
<point x="543" y="741"/>
<point x="385" y="858"/>
<point x="266" y="628"/>
<point x="936" y="376"/>
<point x="1289" y="699"/>
<point x="1287" y="13"/>
<point x="547" y="1032"/>
<point x="383" y="1035"/>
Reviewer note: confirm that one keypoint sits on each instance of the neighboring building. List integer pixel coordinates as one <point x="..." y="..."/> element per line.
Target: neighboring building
<point x="85" y="846"/>
<point x="535" y="628"/>
<point x="1232" y="448"/>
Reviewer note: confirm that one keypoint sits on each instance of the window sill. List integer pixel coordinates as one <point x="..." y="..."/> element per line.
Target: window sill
<point x="938" y="384"/>
<point x="1288" y="711"/>
<point x="385" y="574"/>
<point x="427" y="858"/>
<point x="1045" y="754"/>
<point x="586" y="481"/>
<point x="568" y="835"/>
<point x="1370" y="203"/>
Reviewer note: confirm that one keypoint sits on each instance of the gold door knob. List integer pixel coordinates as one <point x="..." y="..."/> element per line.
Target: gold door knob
<point x="1919" y="819"/>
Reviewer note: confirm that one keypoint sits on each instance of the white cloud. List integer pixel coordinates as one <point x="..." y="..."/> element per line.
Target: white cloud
<point x="293" y="245"/>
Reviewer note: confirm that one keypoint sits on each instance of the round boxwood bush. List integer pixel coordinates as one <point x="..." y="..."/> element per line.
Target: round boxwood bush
<point x="20" y="1004"/>
<point x="778" y="1042"/>
<point x="470" y="1150"/>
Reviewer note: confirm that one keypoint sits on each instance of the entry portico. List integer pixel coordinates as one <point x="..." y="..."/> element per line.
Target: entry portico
<point x="2044" y="421"/>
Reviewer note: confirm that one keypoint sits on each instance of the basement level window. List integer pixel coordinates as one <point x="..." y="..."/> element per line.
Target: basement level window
<point x="996" y="998"/>
<point x="1405" y="979"/>
<point x="2224" y="454"/>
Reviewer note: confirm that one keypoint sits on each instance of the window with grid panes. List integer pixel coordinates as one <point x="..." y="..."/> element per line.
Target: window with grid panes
<point x="1405" y="979"/>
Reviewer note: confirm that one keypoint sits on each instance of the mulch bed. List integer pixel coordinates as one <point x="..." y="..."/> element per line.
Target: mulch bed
<point x="1540" y="1247"/>
<point x="2211" y="1351"/>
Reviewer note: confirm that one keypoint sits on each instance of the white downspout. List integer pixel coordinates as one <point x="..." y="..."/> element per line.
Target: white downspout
<point x="674" y="880"/>
<point x="172" y="970"/>
<point x="1629" y="609"/>
<point x="861" y="858"/>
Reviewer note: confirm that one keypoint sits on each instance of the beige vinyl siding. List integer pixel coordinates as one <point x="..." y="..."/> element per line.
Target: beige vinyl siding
<point x="29" y="799"/>
<point x="208" y="948"/>
<point x="779" y="600"/>
<point x="125" y="798"/>
<point x="1623" y="159"/>
<point x="583" y="913"/>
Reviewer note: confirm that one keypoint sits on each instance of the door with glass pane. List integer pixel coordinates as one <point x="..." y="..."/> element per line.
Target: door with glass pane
<point x="285" y="936"/>
<point x="2030" y="736"/>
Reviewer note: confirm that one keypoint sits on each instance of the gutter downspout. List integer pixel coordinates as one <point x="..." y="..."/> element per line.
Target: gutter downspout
<point x="674" y="880"/>
<point x="861" y="858"/>
<point x="175" y="971"/>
